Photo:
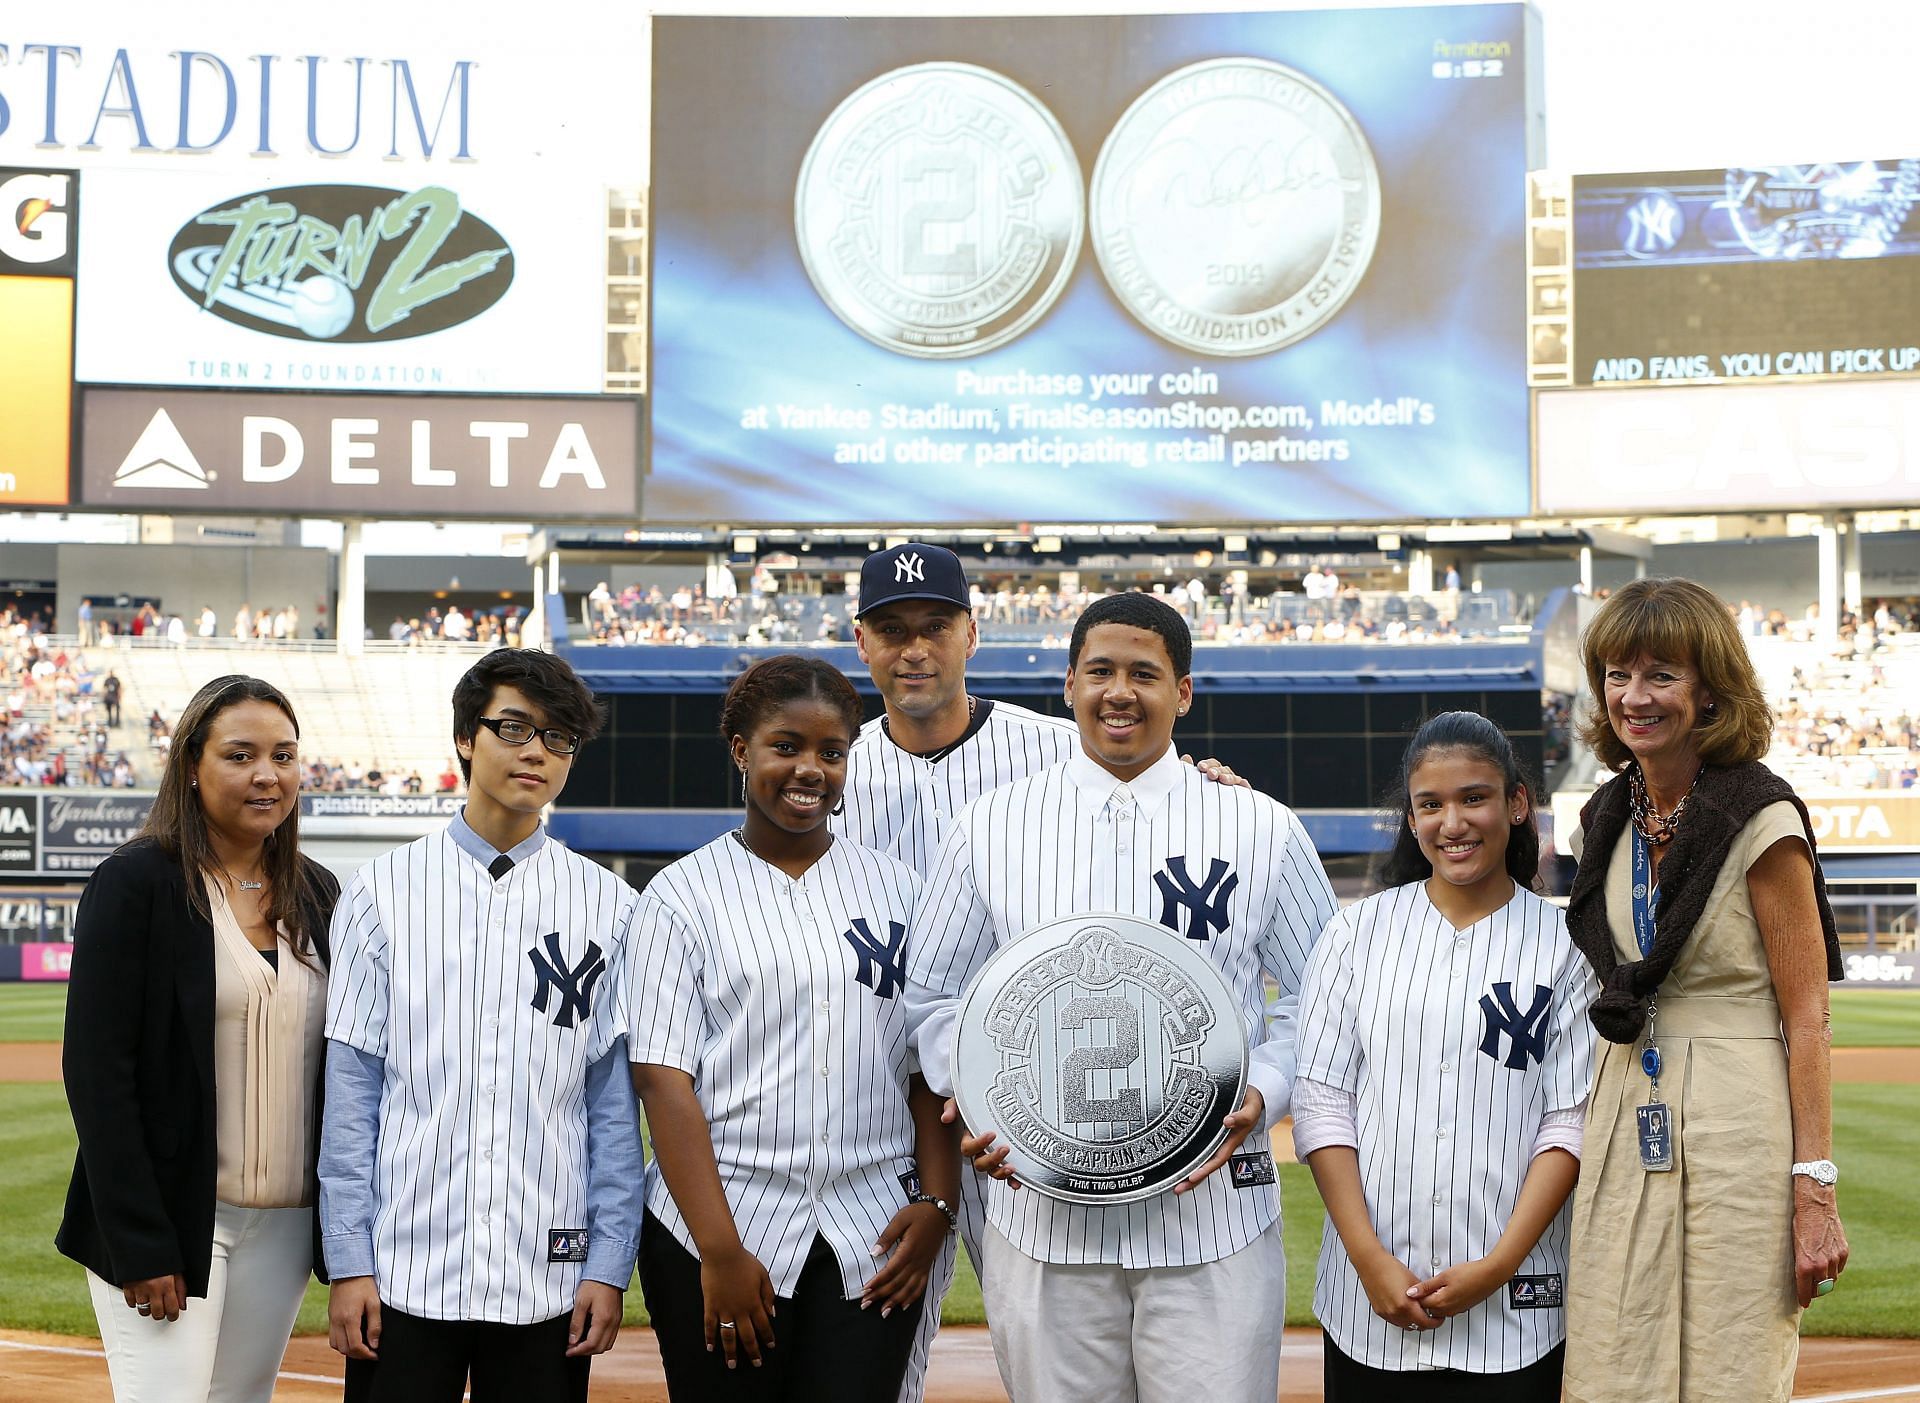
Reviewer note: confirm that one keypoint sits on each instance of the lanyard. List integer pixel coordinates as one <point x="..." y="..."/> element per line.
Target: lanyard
<point x="1645" y="895"/>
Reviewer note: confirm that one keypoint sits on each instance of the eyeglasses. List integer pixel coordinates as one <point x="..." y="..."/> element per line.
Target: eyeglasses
<point x="557" y="742"/>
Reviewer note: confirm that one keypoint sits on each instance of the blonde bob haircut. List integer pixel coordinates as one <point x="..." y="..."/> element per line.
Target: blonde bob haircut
<point x="1677" y="621"/>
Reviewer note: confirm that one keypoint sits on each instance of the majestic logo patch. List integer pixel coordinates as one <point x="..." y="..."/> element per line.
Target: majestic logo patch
<point x="1527" y="1031"/>
<point x="1251" y="1170"/>
<point x="342" y="262"/>
<point x="883" y="964"/>
<point x="566" y="1244"/>
<point x="1535" y="1293"/>
<point x="1206" y="901"/>
<point x="575" y="985"/>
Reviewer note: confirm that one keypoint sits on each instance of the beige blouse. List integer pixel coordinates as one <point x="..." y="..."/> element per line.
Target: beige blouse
<point x="267" y="1050"/>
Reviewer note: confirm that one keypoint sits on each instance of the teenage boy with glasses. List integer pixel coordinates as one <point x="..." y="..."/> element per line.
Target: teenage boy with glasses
<point x="480" y="1166"/>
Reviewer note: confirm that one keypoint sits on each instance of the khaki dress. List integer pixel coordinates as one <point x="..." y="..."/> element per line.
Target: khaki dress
<point x="1680" y="1285"/>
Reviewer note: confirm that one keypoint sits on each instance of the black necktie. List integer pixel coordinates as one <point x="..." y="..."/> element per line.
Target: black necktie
<point x="499" y="867"/>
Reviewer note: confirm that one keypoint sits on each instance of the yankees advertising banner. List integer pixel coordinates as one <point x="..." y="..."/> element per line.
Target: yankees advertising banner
<point x="1241" y="267"/>
<point x="439" y="456"/>
<point x="70" y="832"/>
<point x="1747" y="273"/>
<point x="366" y="200"/>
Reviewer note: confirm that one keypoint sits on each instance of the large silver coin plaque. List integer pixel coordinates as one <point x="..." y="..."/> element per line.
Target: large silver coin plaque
<point x="1104" y="1051"/>
<point x="939" y="210"/>
<point x="1236" y="205"/>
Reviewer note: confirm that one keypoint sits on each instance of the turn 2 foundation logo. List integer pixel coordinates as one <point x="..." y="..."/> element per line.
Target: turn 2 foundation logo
<point x="342" y="263"/>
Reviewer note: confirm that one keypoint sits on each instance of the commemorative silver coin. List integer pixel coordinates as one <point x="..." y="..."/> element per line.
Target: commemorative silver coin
<point x="1104" y="1051"/>
<point x="939" y="210"/>
<point x="1235" y="207"/>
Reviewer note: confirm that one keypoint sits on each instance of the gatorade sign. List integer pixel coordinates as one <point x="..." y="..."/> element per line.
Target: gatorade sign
<point x="39" y="221"/>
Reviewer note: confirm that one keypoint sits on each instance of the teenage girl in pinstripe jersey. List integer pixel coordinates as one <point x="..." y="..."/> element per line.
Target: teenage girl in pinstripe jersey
<point x="1445" y="1056"/>
<point x="803" y="1182"/>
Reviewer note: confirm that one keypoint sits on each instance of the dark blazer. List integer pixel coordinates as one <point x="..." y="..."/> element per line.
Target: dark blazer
<point x="139" y="1070"/>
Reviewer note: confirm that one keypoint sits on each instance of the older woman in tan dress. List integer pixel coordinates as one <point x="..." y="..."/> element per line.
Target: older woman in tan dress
<point x="1705" y="1219"/>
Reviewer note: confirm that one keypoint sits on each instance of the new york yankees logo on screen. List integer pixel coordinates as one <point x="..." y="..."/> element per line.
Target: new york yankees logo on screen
<point x="1526" y="1032"/>
<point x="883" y="963"/>
<point x="575" y="985"/>
<point x="1206" y="902"/>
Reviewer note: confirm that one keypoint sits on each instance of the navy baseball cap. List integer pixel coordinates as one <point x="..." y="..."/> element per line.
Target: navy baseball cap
<point x="912" y="571"/>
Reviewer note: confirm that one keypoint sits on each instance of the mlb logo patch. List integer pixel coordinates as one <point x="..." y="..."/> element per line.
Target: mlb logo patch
<point x="566" y="1244"/>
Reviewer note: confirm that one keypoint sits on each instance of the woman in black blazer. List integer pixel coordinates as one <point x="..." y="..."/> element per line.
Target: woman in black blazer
<point x="193" y="1062"/>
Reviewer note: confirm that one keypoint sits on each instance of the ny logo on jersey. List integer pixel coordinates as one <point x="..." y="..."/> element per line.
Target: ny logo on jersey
<point x="575" y="985"/>
<point x="909" y="568"/>
<point x="883" y="964"/>
<point x="1207" y="901"/>
<point x="1527" y="1031"/>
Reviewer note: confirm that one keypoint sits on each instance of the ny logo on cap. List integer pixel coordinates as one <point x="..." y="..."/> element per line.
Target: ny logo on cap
<point x="909" y="568"/>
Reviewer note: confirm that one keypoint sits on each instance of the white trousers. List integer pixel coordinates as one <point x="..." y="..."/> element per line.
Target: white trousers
<point x="227" y="1348"/>
<point x="1155" y="1334"/>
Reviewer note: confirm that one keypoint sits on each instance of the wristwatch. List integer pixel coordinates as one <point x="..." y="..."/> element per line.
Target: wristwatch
<point x="953" y="1216"/>
<point x="1821" y="1171"/>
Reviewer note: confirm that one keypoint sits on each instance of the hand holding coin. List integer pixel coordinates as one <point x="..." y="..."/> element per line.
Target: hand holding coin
<point x="987" y="1157"/>
<point x="1240" y="1123"/>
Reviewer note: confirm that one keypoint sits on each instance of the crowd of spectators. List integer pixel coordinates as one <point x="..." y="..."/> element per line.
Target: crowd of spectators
<point x="1857" y="745"/>
<point x="354" y="777"/>
<point x="59" y="711"/>
<point x="97" y="627"/>
<point x="1857" y="633"/>
<point x="1321" y="610"/>
<point x="454" y="626"/>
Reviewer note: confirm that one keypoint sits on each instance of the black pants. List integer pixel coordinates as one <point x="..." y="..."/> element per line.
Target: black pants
<point x="427" y="1361"/>
<point x="826" y="1350"/>
<point x="1348" y="1381"/>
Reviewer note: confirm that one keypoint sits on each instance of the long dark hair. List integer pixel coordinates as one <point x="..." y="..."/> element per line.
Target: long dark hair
<point x="297" y="893"/>
<point x="1471" y="732"/>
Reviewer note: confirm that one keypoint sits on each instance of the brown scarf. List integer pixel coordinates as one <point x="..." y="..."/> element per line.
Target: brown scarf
<point x="1722" y="802"/>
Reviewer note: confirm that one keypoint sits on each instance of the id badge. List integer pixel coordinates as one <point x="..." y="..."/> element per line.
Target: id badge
<point x="1656" y="1137"/>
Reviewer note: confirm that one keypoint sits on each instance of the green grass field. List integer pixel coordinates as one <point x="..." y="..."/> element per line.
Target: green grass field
<point x="32" y="1013"/>
<point x="1876" y="1017"/>
<point x="1861" y="1017"/>
<point x="1877" y="1144"/>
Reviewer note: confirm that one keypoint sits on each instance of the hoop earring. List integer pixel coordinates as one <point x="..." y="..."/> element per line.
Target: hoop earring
<point x="838" y="808"/>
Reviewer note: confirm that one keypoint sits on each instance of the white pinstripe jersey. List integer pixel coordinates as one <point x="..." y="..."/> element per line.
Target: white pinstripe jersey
<point x="1226" y="867"/>
<point x="902" y="803"/>
<point x="1454" y="1043"/>
<point x="781" y="998"/>
<point x="487" y="1000"/>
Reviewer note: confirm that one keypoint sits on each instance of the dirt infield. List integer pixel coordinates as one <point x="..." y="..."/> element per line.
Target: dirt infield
<point x="29" y="1061"/>
<point x="41" y="1062"/>
<point x="73" y="1370"/>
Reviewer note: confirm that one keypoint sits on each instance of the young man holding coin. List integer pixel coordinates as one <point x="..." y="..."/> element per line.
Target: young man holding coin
<point x="1183" y="1292"/>
<point x="935" y="749"/>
